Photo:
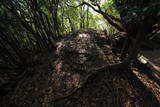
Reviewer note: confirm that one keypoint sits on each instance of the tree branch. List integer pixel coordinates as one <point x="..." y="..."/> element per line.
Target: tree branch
<point x="108" y="17"/>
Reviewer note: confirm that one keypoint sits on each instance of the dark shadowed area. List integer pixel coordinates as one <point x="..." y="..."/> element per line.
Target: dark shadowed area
<point x="69" y="78"/>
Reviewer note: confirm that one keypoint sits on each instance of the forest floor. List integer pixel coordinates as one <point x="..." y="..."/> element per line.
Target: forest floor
<point x="66" y="78"/>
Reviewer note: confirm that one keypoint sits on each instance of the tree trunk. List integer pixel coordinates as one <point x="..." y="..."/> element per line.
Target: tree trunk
<point x="143" y="30"/>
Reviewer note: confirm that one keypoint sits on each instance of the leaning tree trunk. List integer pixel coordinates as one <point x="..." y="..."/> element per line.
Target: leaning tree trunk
<point x="143" y="30"/>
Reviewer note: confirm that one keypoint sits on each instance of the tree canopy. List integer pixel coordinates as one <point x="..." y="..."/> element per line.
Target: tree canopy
<point x="34" y="25"/>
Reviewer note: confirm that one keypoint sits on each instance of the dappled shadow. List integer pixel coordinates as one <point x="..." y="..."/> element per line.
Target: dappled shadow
<point x="151" y="73"/>
<point x="103" y="89"/>
<point x="148" y="98"/>
<point x="79" y="55"/>
<point x="65" y="81"/>
<point x="107" y="89"/>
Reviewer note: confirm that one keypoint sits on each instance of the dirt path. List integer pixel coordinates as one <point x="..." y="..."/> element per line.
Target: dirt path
<point x="77" y="56"/>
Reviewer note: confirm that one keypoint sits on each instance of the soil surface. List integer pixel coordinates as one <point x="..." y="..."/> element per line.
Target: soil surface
<point x="66" y="78"/>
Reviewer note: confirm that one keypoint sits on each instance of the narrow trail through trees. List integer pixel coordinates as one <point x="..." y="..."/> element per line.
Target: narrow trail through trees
<point x="69" y="77"/>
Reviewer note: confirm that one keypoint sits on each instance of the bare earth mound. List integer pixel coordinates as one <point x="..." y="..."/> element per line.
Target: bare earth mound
<point x="66" y="78"/>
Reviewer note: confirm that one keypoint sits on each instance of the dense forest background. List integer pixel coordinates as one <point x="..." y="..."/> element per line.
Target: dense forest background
<point x="32" y="27"/>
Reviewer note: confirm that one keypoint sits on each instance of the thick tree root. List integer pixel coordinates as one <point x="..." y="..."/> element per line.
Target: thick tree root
<point x="120" y="66"/>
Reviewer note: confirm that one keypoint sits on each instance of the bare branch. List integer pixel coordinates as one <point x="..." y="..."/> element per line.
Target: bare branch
<point x="85" y="3"/>
<point x="114" y="18"/>
<point x="99" y="10"/>
<point x="108" y="17"/>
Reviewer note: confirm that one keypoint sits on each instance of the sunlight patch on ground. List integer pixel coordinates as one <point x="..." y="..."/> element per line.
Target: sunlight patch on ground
<point x="150" y="84"/>
<point x="83" y="35"/>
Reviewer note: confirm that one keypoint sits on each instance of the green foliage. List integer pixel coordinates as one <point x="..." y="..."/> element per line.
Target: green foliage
<point x="36" y="24"/>
<point x="72" y="18"/>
